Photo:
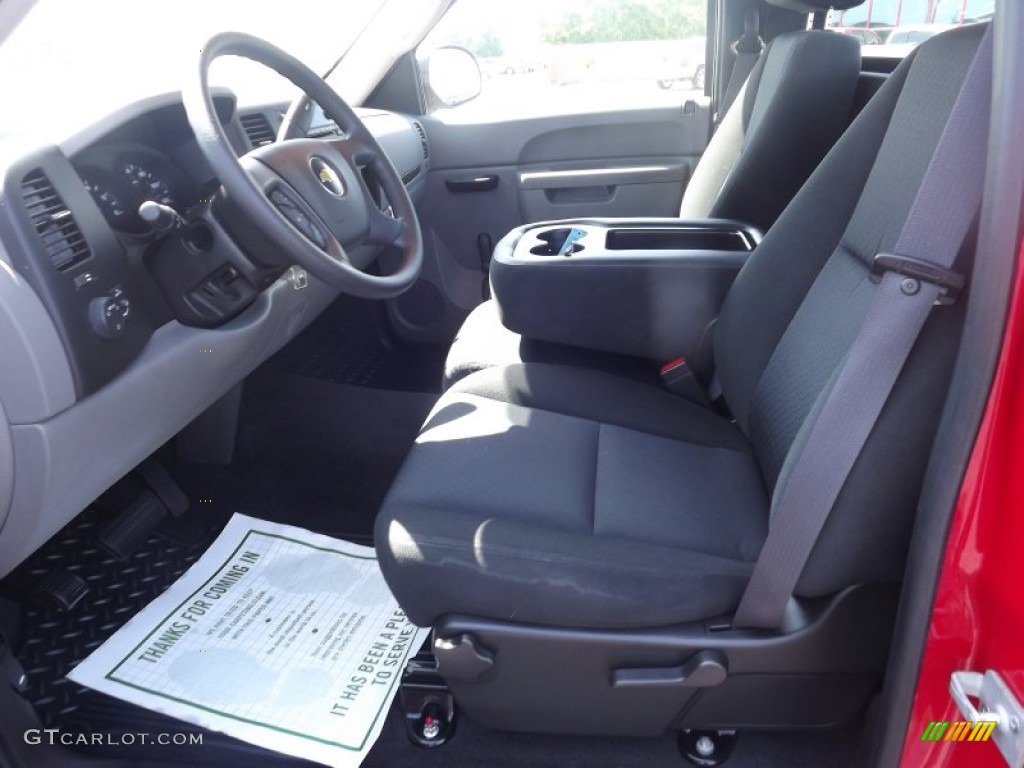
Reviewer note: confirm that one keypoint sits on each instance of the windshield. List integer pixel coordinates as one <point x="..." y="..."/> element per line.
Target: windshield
<point x="72" y="61"/>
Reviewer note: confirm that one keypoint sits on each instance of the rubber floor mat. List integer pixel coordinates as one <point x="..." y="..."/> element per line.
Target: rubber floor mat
<point x="55" y="639"/>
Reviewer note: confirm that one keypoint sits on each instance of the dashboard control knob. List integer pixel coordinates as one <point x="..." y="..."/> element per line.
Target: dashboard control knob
<point x="108" y="315"/>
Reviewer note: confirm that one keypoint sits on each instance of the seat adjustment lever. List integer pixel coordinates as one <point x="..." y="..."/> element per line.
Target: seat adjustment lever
<point x="706" y="669"/>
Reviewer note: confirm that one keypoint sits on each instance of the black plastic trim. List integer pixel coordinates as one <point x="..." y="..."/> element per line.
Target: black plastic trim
<point x="599" y="296"/>
<point x="487" y="183"/>
<point x="818" y="672"/>
<point x="402" y="89"/>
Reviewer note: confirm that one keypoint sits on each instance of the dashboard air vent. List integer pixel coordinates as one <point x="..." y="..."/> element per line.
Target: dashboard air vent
<point x="257" y="127"/>
<point x="53" y="221"/>
<point x="423" y="139"/>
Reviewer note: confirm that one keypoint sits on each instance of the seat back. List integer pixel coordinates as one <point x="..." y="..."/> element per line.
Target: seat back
<point x="798" y="304"/>
<point x="795" y="104"/>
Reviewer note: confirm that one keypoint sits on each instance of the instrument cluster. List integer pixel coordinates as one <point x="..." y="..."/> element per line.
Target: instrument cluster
<point x="121" y="178"/>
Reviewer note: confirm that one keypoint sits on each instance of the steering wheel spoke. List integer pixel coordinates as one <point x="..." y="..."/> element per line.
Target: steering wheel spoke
<point x="384" y="229"/>
<point x="290" y="205"/>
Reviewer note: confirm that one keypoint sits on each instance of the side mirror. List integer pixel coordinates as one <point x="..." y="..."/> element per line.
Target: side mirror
<point x="452" y="76"/>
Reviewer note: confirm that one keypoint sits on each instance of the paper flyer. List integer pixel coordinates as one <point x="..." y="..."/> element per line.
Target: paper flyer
<point x="277" y="636"/>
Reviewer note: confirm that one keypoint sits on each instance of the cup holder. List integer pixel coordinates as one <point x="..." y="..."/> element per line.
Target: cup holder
<point x="553" y="242"/>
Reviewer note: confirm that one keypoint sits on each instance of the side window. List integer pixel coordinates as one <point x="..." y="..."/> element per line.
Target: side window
<point x="545" y="57"/>
<point x="893" y="28"/>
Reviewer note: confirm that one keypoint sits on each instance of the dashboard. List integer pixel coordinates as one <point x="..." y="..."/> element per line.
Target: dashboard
<point x="115" y="336"/>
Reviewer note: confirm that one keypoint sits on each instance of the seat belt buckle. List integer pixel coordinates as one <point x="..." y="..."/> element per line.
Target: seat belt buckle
<point x="950" y="283"/>
<point x="679" y="379"/>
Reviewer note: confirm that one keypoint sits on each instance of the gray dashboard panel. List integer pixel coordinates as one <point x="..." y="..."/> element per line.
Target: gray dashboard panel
<point x="397" y="138"/>
<point x="64" y="463"/>
<point x="35" y="378"/>
<point x="6" y="467"/>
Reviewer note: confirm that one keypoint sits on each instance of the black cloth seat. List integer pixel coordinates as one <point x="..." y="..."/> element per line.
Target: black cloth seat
<point x="554" y="495"/>
<point x="581" y="456"/>
<point x="795" y="104"/>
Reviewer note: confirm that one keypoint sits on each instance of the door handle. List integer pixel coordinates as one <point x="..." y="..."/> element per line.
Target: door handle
<point x="475" y="184"/>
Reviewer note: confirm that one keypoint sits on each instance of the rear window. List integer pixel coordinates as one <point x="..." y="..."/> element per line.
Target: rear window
<point x="893" y="28"/>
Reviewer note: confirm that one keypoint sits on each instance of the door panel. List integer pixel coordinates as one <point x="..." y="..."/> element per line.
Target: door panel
<point x="489" y="177"/>
<point x="618" y="188"/>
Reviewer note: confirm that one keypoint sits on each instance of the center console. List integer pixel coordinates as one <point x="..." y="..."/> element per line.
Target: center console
<point x="644" y="287"/>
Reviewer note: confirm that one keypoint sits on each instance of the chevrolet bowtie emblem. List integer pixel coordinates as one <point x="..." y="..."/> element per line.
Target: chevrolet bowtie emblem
<point x="327" y="176"/>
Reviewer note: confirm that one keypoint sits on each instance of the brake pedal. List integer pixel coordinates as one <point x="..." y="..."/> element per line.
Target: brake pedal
<point x="163" y="485"/>
<point x="129" y="530"/>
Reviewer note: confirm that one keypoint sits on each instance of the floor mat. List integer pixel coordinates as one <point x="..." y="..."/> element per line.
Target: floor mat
<point x="344" y="345"/>
<point x="279" y="636"/>
<point x="56" y="639"/>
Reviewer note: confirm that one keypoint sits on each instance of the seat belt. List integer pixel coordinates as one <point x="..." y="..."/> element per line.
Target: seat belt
<point x="915" y="277"/>
<point x="747" y="49"/>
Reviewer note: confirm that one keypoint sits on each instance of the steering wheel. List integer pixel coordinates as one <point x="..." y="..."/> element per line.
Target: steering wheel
<point x="308" y="196"/>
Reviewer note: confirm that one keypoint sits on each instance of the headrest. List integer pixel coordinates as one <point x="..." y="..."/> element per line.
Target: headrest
<point x="810" y="6"/>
